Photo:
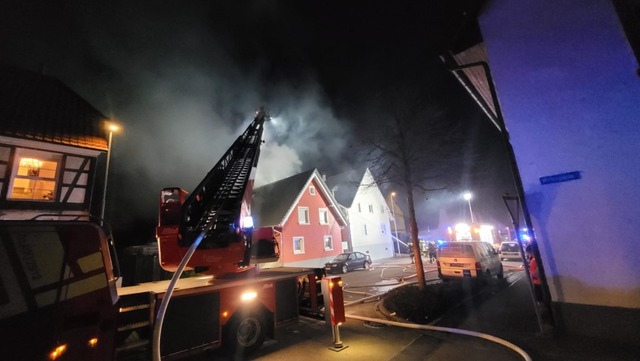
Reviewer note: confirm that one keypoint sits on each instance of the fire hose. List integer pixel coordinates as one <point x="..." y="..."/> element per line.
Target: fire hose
<point x="484" y="336"/>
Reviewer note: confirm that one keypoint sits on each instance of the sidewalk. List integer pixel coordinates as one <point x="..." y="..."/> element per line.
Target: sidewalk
<point x="509" y="315"/>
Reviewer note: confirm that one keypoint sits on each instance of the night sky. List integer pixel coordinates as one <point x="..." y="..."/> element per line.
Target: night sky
<point x="184" y="79"/>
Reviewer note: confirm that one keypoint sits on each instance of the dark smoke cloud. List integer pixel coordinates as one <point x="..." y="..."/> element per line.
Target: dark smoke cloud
<point x="184" y="79"/>
<point x="166" y="73"/>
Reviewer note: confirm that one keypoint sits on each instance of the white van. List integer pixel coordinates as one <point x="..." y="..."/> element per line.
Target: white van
<point x="468" y="259"/>
<point x="510" y="250"/>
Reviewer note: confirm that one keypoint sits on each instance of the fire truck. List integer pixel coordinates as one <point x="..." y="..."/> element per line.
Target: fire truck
<point x="60" y="298"/>
<point x="473" y="232"/>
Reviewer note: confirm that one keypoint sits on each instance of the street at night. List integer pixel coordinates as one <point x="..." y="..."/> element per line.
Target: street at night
<point x="497" y="323"/>
<point x="177" y="178"/>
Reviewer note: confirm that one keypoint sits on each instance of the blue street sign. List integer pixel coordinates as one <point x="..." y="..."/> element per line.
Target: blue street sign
<point x="562" y="177"/>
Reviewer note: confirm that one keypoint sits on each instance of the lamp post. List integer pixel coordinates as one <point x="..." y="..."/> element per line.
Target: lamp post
<point x="467" y="197"/>
<point x="111" y="127"/>
<point x="395" y="225"/>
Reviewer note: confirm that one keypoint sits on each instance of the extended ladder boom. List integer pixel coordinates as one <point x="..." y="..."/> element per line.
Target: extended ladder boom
<point x="216" y="203"/>
<point x="220" y="206"/>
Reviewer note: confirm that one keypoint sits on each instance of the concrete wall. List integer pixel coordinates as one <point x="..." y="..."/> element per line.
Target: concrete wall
<point x="567" y="84"/>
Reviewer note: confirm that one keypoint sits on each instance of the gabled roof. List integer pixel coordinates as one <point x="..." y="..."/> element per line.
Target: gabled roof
<point x="274" y="202"/>
<point x="345" y="185"/>
<point x="41" y="108"/>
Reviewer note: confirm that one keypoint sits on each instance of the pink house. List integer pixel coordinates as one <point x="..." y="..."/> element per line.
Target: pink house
<point x="304" y="217"/>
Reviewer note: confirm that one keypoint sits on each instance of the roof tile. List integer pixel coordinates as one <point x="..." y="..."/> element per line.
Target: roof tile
<point x="41" y="108"/>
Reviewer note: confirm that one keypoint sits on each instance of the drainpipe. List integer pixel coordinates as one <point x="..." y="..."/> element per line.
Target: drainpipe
<point x="280" y="244"/>
<point x="499" y="122"/>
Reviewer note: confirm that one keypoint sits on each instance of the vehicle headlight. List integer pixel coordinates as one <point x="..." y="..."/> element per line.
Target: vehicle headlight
<point x="248" y="296"/>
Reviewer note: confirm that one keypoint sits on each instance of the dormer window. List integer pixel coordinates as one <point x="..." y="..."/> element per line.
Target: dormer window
<point x="312" y="190"/>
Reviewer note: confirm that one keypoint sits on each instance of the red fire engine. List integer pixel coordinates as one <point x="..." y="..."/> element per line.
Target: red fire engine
<point x="59" y="299"/>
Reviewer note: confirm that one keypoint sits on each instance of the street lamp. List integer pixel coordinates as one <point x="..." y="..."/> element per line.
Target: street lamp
<point x="111" y="127"/>
<point x="467" y="197"/>
<point x="395" y="225"/>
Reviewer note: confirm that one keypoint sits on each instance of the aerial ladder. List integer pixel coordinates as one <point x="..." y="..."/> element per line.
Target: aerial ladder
<point x="219" y="208"/>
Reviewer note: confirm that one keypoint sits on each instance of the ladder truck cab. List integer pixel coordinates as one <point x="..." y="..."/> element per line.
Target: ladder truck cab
<point x="59" y="299"/>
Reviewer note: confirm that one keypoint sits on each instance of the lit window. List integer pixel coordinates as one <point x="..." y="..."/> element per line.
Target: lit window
<point x="328" y="243"/>
<point x="324" y="216"/>
<point x="312" y="190"/>
<point x="34" y="177"/>
<point x="298" y="245"/>
<point x="303" y="215"/>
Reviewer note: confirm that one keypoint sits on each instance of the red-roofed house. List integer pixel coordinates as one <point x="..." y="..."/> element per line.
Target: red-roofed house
<point x="53" y="149"/>
<point x="304" y="216"/>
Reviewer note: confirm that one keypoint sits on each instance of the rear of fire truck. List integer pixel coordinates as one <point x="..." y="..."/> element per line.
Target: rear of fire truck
<point x="57" y="291"/>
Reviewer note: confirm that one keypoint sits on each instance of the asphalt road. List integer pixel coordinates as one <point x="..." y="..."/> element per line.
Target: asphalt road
<point x="496" y="323"/>
<point x="311" y="339"/>
<point x="387" y="274"/>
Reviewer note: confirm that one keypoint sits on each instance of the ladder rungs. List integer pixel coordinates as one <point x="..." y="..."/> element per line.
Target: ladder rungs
<point x="133" y="326"/>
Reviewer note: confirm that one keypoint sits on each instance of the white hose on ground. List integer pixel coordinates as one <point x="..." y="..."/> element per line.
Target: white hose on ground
<point x="491" y="338"/>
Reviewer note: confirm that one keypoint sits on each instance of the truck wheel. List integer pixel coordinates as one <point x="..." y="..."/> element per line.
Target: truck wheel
<point x="344" y="269"/>
<point x="245" y="334"/>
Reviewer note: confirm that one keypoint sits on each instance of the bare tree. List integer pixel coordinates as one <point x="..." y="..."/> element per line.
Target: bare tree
<point x="413" y="148"/>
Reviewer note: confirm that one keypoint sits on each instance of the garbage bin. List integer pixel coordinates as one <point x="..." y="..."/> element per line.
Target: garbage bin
<point x="140" y="264"/>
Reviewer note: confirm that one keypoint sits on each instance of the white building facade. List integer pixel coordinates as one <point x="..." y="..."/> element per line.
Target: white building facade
<point x="369" y="220"/>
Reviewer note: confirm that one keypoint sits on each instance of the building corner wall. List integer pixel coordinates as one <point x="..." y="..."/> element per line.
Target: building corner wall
<point x="567" y="85"/>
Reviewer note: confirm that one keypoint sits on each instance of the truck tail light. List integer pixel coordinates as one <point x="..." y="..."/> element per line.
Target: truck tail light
<point x="57" y="352"/>
<point x="93" y="342"/>
<point x="478" y="267"/>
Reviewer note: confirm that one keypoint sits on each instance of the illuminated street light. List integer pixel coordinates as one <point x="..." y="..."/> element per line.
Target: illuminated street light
<point x="111" y="127"/>
<point x="395" y="225"/>
<point x="467" y="196"/>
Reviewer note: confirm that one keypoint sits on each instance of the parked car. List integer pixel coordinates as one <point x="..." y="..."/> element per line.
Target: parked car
<point x="348" y="261"/>
<point x="472" y="259"/>
<point x="510" y="250"/>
